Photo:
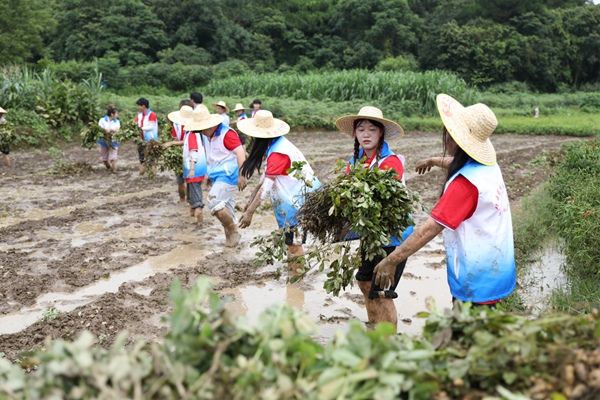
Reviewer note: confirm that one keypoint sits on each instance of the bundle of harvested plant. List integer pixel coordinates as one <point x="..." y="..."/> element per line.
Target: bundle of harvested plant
<point x="7" y="134"/>
<point x="370" y="202"/>
<point x="153" y="153"/>
<point x="90" y="135"/>
<point x="172" y="160"/>
<point x="130" y="131"/>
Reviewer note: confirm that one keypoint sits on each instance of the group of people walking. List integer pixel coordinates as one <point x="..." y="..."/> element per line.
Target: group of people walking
<point x="473" y="211"/>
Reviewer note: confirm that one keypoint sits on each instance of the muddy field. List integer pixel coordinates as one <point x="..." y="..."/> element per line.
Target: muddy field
<point x="98" y="251"/>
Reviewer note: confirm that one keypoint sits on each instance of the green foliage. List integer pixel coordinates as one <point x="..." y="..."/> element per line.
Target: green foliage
<point x="574" y="190"/>
<point x="22" y="24"/>
<point x="91" y="134"/>
<point x="211" y="353"/>
<point x="7" y="134"/>
<point x="383" y="87"/>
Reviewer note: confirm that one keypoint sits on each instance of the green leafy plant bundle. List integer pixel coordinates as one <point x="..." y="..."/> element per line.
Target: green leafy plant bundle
<point x="129" y="132"/>
<point x="91" y="133"/>
<point x="7" y="134"/>
<point x="172" y="160"/>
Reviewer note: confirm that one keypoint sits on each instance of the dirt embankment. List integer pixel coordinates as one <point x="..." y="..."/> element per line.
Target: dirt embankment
<point x="104" y="248"/>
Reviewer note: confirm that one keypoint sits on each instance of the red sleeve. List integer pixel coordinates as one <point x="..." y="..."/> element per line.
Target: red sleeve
<point x="152" y="117"/>
<point x="393" y="162"/>
<point x="278" y="164"/>
<point x="458" y="203"/>
<point x="232" y="140"/>
<point x="173" y="131"/>
<point x="192" y="142"/>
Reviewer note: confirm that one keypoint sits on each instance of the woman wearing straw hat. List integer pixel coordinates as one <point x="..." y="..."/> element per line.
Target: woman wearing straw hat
<point x="473" y="209"/>
<point x="286" y="191"/>
<point x="224" y="156"/>
<point x="223" y="110"/>
<point x="241" y="114"/>
<point x="5" y="150"/>
<point x="194" y="159"/>
<point x="371" y="132"/>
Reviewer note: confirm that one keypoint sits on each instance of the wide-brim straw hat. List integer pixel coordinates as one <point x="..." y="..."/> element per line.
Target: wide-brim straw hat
<point x="263" y="125"/>
<point x="202" y="119"/>
<point x="239" y="107"/>
<point x="3" y="111"/>
<point x="180" y="117"/>
<point x="470" y="127"/>
<point x="222" y="104"/>
<point x="392" y="130"/>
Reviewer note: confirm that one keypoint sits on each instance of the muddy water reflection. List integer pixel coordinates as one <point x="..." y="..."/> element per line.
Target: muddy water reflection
<point x="185" y="255"/>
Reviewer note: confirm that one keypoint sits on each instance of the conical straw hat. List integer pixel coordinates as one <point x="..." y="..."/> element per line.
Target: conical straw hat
<point x="3" y="111"/>
<point x="182" y="116"/>
<point x="263" y="125"/>
<point x="222" y="104"/>
<point x="392" y="129"/>
<point x="239" y="107"/>
<point x="470" y="127"/>
<point x="202" y="119"/>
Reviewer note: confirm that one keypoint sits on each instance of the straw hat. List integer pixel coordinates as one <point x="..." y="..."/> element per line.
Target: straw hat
<point x="2" y="111"/>
<point x="222" y="104"/>
<point x="263" y="125"/>
<point x="470" y="127"/>
<point x="182" y="116"/>
<point x="202" y="119"/>
<point x="239" y="107"/>
<point x="392" y="129"/>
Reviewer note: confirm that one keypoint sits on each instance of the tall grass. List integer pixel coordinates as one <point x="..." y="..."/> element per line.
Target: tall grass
<point x="420" y="88"/>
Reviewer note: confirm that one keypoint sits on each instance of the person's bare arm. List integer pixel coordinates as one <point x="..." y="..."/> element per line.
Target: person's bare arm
<point x="425" y="165"/>
<point x="258" y="196"/>
<point x="420" y="237"/>
<point x="240" y="155"/>
<point x="173" y="143"/>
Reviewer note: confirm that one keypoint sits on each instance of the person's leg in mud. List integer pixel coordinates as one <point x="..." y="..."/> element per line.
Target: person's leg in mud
<point x="5" y="152"/>
<point x="379" y="309"/>
<point x="196" y="204"/>
<point x="294" y="241"/>
<point x="221" y="202"/>
<point x="141" y="155"/>
<point x="181" y="188"/>
<point x="104" y="156"/>
<point x="112" y="159"/>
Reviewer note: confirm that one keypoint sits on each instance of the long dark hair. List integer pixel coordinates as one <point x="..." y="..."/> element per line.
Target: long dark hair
<point x="255" y="158"/>
<point x="357" y="144"/>
<point x="459" y="160"/>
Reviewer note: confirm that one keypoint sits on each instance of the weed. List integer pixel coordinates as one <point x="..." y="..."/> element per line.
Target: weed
<point x="50" y="314"/>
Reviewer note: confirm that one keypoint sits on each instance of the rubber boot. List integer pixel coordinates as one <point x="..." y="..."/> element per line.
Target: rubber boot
<point x="232" y="237"/>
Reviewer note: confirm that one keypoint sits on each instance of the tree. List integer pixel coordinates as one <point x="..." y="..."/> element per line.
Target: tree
<point x="22" y="23"/>
<point x="127" y="29"/>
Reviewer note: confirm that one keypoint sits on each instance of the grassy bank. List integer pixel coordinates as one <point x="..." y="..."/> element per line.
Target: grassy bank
<point x="568" y="208"/>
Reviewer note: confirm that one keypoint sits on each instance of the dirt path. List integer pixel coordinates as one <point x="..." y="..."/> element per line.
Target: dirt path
<point x="103" y="248"/>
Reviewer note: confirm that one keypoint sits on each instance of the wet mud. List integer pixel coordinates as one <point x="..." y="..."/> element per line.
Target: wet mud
<point x="98" y="251"/>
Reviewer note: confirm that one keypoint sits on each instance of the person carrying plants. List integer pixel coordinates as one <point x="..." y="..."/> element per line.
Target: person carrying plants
<point x="286" y="191"/>
<point x="108" y="151"/>
<point x="473" y="211"/>
<point x="148" y="123"/>
<point x="194" y="159"/>
<point x="224" y="156"/>
<point x="223" y="110"/>
<point x="5" y="150"/>
<point x="178" y="133"/>
<point x="371" y="132"/>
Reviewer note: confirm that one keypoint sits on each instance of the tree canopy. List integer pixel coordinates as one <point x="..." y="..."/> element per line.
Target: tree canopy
<point x="543" y="43"/>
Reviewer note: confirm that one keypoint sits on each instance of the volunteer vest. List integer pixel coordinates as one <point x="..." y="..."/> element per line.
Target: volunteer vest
<point x="106" y="123"/>
<point x="221" y="162"/>
<point x="242" y="116"/>
<point x="200" y="167"/>
<point x="143" y="120"/>
<point x="480" y="252"/>
<point x="178" y="132"/>
<point x="287" y="193"/>
<point x="385" y="153"/>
